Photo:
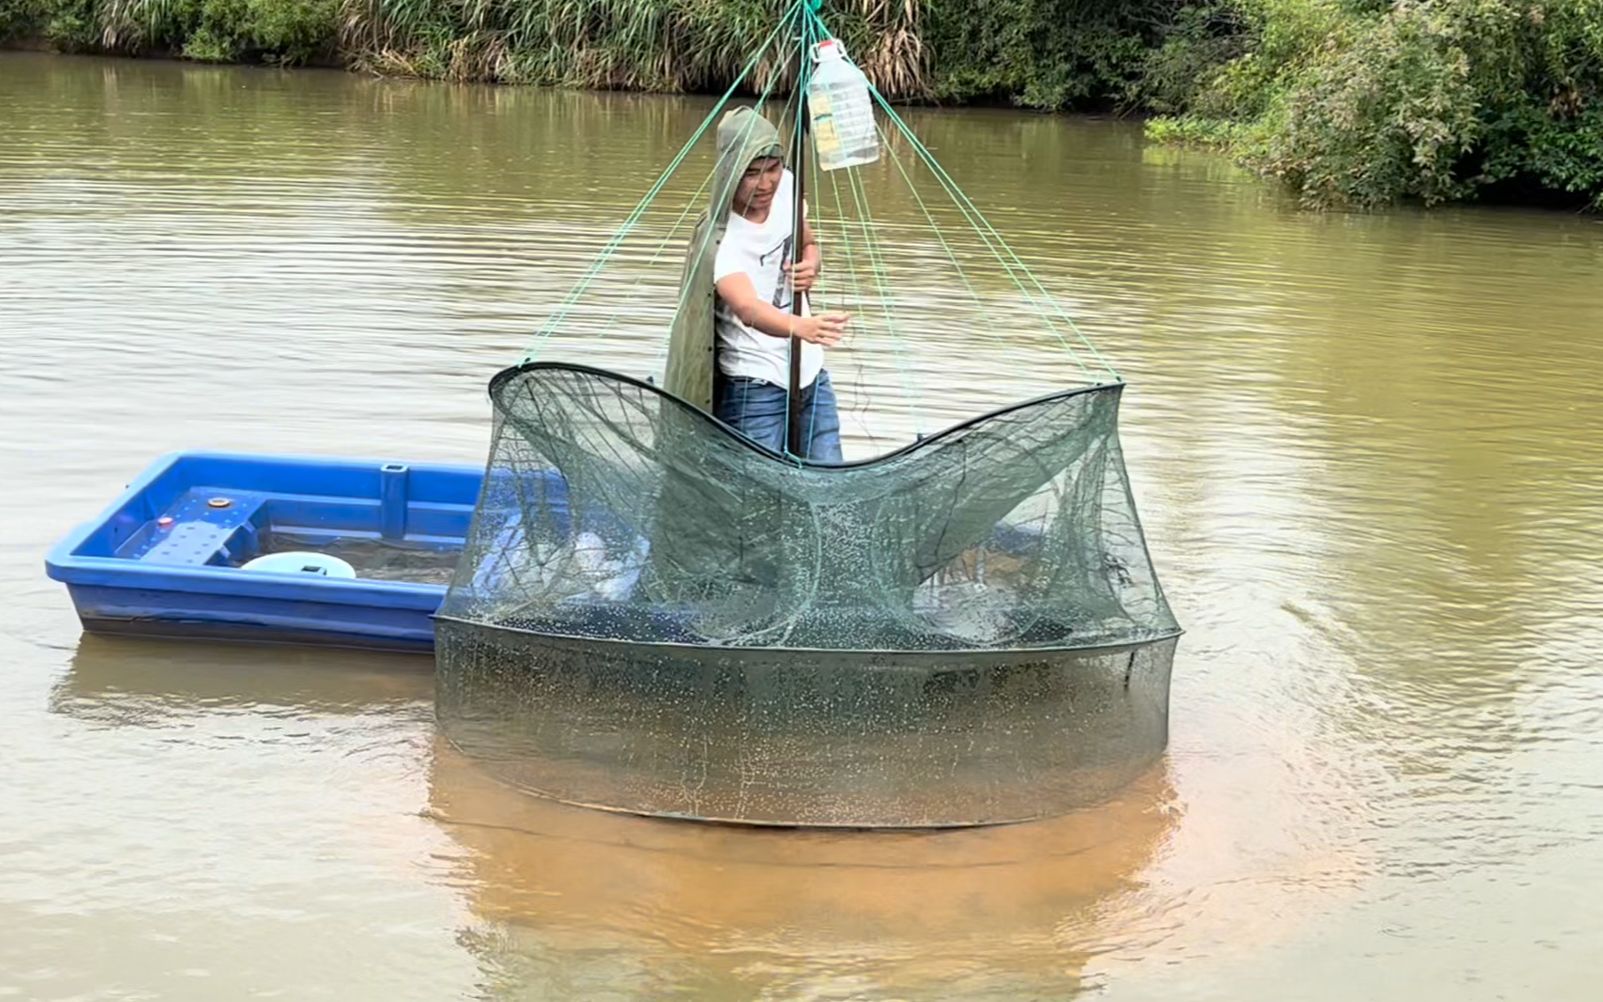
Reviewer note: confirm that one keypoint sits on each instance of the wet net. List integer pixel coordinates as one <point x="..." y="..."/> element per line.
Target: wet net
<point x="656" y="615"/>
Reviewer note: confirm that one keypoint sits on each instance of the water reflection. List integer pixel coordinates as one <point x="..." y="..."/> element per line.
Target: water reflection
<point x="570" y="902"/>
<point x="152" y="683"/>
<point x="713" y="911"/>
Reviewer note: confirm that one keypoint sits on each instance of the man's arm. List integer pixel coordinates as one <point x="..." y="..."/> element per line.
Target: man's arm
<point x="757" y="313"/>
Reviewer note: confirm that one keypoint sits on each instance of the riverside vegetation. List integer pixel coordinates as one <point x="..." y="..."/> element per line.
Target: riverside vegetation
<point x="1352" y="103"/>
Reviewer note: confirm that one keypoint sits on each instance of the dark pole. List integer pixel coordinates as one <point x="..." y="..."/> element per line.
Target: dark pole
<point x="799" y="168"/>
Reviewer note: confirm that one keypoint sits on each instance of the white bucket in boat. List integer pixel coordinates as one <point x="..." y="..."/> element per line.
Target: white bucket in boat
<point x="302" y="562"/>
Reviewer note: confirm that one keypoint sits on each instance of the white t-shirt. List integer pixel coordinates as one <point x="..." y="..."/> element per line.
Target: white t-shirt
<point x="759" y="250"/>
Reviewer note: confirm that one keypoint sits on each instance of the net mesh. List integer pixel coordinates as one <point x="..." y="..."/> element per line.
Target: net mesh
<point x="654" y="614"/>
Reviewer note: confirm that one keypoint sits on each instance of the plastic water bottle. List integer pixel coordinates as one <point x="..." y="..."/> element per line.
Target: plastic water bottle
<point x="841" y="108"/>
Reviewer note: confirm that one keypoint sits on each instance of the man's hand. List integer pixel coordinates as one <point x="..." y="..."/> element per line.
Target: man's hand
<point x="824" y="329"/>
<point x="802" y="274"/>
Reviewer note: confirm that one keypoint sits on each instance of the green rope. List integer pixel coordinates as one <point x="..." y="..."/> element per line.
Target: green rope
<point x="997" y="244"/>
<point x="982" y="226"/>
<point x="884" y="141"/>
<point x="845" y="235"/>
<point x="910" y="394"/>
<point x="881" y="273"/>
<point x="656" y="255"/>
<point x="820" y="222"/>
<point x="998" y="247"/>
<point x="611" y="246"/>
<point x="857" y="297"/>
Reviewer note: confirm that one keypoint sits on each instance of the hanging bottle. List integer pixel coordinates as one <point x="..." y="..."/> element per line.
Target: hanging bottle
<point x="841" y="109"/>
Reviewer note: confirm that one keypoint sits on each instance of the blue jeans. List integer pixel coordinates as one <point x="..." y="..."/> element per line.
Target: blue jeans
<point x="756" y="409"/>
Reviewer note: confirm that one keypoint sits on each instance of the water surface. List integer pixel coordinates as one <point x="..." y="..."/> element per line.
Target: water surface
<point x="1368" y="450"/>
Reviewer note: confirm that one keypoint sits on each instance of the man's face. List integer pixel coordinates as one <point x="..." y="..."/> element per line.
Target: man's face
<point x="755" y="192"/>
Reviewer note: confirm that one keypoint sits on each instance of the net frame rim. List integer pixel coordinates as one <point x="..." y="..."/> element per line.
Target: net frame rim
<point x="951" y="653"/>
<point x="500" y="379"/>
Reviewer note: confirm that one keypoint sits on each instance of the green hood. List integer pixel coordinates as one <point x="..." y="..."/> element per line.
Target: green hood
<point x="743" y="136"/>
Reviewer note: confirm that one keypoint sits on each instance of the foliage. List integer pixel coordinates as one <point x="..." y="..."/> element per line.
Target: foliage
<point x="664" y="45"/>
<point x="1047" y="54"/>
<point x="72" y="25"/>
<point x="280" y="31"/>
<point x="1360" y="104"/>
<point x="22" y="17"/>
<point x="1351" y="102"/>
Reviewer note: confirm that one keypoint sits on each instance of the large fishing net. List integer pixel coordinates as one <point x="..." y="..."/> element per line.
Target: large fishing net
<point x="656" y="615"/>
<point x="614" y="512"/>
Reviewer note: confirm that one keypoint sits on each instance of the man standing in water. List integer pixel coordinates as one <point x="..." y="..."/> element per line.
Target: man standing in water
<point x="730" y="348"/>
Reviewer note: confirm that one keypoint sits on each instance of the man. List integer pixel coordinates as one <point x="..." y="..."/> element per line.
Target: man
<point x="730" y="348"/>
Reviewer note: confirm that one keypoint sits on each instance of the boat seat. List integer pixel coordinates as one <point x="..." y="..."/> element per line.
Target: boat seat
<point x="198" y="529"/>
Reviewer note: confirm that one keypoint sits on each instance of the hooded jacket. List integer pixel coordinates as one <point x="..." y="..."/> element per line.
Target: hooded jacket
<point x="743" y="136"/>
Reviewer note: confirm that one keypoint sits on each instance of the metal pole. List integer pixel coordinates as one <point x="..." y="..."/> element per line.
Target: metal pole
<point x="793" y="424"/>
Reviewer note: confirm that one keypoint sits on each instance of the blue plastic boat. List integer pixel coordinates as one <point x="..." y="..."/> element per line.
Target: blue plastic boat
<point x="234" y="546"/>
<point x="168" y="557"/>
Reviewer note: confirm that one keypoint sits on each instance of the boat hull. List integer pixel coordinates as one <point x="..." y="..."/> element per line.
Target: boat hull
<point x="166" y="557"/>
